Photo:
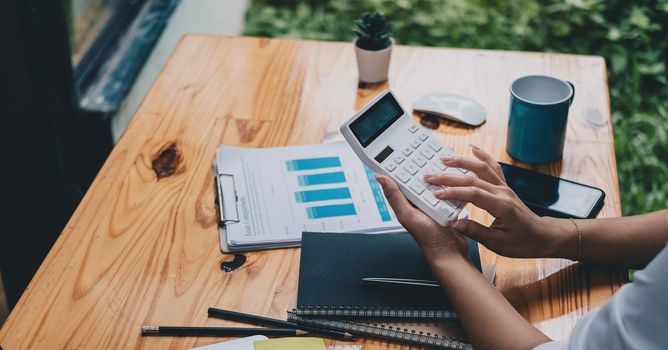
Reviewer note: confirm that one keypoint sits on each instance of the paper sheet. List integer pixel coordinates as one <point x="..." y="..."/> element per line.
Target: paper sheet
<point x="284" y="191"/>
<point x="236" y="344"/>
<point x="301" y="343"/>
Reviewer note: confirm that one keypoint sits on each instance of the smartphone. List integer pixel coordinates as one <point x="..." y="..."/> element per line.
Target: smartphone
<point x="548" y="195"/>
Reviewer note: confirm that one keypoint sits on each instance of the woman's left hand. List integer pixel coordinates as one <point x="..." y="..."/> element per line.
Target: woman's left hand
<point x="436" y="241"/>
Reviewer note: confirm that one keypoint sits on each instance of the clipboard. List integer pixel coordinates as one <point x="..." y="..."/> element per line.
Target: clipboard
<point x="228" y="213"/>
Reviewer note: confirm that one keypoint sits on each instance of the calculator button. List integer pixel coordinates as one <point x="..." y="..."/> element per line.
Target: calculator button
<point x="417" y="187"/>
<point x="423" y="136"/>
<point x="411" y="169"/>
<point x="446" y="152"/>
<point x="434" y="188"/>
<point x="413" y="128"/>
<point x="402" y="176"/>
<point x="453" y="171"/>
<point x="407" y="151"/>
<point x="419" y="160"/>
<point x="390" y="167"/>
<point x="420" y="178"/>
<point x="434" y="145"/>
<point x="427" y="152"/>
<point x="446" y="205"/>
<point x="429" y="198"/>
<point x="399" y="159"/>
<point x="439" y="165"/>
<point x="454" y="204"/>
<point x="415" y="143"/>
<point x="433" y="170"/>
<point x="463" y="171"/>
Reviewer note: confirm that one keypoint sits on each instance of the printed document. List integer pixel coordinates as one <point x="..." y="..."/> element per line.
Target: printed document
<point x="281" y="192"/>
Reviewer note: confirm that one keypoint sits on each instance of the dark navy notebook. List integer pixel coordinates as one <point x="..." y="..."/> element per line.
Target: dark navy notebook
<point x="333" y="264"/>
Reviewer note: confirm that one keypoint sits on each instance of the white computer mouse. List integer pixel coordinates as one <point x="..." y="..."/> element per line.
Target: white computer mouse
<point x="453" y="107"/>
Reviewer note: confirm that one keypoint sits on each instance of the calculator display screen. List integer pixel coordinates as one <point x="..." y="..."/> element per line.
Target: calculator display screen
<point x="376" y="119"/>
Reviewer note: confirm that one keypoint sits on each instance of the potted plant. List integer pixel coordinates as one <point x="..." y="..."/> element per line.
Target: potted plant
<point x="373" y="47"/>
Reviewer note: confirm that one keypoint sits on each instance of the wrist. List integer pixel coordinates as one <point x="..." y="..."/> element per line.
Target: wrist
<point x="455" y="250"/>
<point x="561" y="238"/>
<point x="452" y="266"/>
<point x="445" y="258"/>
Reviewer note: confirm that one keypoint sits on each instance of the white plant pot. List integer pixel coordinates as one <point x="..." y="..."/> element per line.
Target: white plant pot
<point x="373" y="65"/>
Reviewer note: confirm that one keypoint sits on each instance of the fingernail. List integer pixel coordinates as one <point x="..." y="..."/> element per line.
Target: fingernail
<point x="446" y="158"/>
<point x="428" y="176"/>
<point x="460" y="226"/>
<point x="439" y="193"/>
<point x="381" y="180"/>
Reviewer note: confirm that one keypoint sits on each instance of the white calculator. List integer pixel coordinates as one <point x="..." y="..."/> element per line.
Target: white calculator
<point x="390" y="142"/>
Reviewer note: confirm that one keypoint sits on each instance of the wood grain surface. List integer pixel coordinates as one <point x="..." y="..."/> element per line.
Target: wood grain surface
<point x="142" y="247"/>
<point x="4" y="309"/>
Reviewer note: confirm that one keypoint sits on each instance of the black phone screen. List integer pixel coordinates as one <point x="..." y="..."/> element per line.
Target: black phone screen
<point x="553" y="196"/>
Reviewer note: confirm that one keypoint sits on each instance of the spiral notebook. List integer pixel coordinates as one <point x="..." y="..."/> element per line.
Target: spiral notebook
<point x="430" y="335"/>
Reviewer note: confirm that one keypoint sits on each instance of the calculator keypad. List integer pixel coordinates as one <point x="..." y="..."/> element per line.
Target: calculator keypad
<point x="402" y="176"/>
<point x="427" y="152"/>
<point x="439" y="165"/>
<point x="411" y="168"/>
<point x="419" y="160"/>
<point x="424" y="157"/>
<point x="417" y="187"/>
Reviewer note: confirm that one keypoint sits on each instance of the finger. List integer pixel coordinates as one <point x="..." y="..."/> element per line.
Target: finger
<point x="486" y="158"/>
<point x="459" y="181"/>
<point x="479" y="167"/>
<point x="494" y="205"/>
<point x="401" y="206"/>
<point x="478" y="232"/>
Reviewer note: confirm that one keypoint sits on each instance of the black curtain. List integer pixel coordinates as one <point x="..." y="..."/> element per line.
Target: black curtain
<point x="48" y="150"/>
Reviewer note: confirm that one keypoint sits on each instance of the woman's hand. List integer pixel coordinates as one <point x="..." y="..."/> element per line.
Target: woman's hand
<point x="516" y="230"/>
<point x="436" y="241"/>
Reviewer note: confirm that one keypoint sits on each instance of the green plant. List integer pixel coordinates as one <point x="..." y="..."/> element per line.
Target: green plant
<point x="373" y="31"/>
<point x="630" y="35"/>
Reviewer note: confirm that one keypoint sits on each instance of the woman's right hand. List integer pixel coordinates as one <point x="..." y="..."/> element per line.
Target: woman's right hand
<point x="516" y="230"/>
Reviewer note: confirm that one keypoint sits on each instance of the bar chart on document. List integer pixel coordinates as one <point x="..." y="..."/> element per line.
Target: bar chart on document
<point x="285" y="191"/>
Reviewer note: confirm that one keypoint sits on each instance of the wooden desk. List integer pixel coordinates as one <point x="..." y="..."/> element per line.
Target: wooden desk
<point x="142" y="248"/>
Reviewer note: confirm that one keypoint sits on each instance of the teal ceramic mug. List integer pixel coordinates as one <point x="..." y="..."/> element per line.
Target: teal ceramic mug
<point x="538" y="115"/>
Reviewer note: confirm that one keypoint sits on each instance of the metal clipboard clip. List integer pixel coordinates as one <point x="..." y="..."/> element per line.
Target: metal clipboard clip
<point x="227" y="199"/>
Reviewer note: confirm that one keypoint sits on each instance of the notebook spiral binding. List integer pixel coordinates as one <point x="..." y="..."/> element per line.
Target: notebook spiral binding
<point x="374" y="312"/>
<point x="389" y="333"/>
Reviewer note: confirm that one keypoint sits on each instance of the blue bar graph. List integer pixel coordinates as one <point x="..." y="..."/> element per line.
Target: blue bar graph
<point x="328" y="211"/>
<point x="322" y="195"/>
<point x="378" y="195"/>
<point x="313" y="163"/>
<point x="321" y="179"/>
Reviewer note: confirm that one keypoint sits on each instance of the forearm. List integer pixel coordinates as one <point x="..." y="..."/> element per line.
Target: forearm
<point x="628" y="241"/>
<point x="489" y="320"/>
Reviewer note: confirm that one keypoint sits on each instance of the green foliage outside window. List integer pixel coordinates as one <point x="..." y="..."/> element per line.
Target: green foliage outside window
<point x="631" y="35"/>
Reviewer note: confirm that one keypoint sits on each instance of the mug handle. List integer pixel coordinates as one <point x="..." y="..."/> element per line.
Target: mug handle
<point x="573" y="96"/>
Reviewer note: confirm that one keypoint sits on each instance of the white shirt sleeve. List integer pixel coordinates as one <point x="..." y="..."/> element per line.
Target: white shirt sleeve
<point x="636" y="317"/>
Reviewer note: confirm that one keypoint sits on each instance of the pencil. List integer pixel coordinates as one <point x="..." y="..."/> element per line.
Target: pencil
<point x="219" y="331"/>
<point x="266" y="321"/>
<point x="248" y="318"/>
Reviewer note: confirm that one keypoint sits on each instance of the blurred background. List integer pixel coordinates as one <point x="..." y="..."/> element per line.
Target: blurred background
<point x="630" y="35"/>
<point x="75" y="71"/>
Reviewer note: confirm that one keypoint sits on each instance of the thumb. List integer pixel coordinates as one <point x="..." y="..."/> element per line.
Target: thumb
<point x="397" y="200"/>
<point x="481" y="233"/>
